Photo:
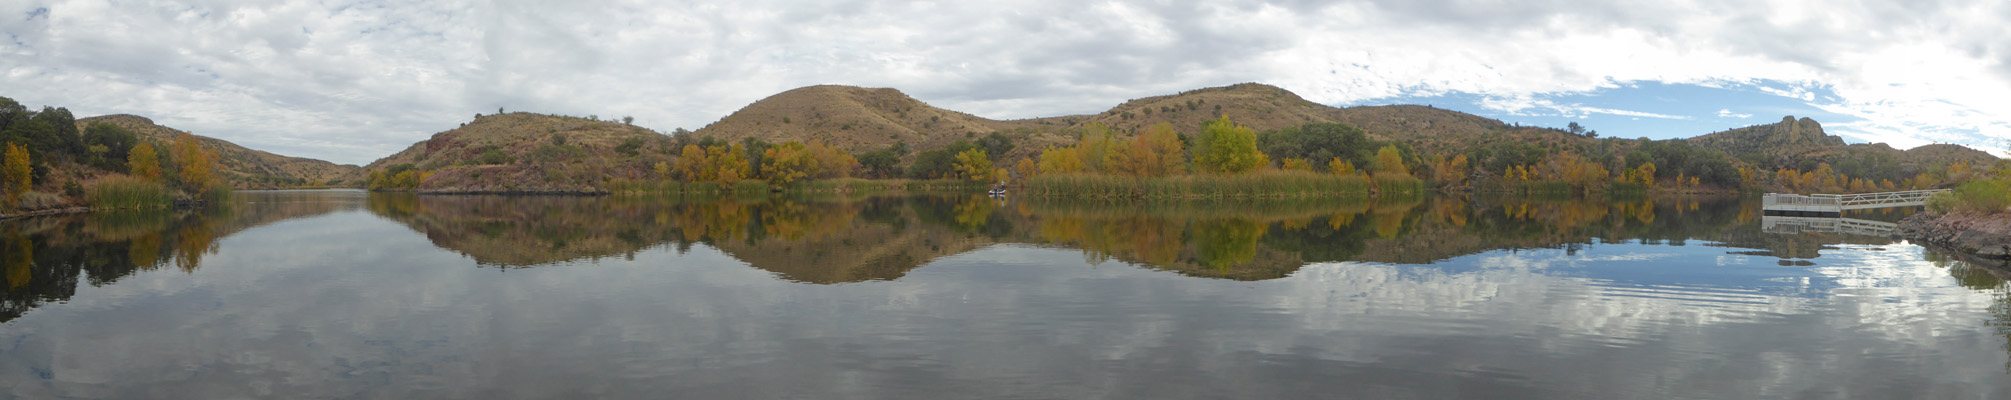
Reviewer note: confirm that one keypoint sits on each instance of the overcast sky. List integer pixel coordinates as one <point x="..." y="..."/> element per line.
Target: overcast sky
<point x="352" y="81"/>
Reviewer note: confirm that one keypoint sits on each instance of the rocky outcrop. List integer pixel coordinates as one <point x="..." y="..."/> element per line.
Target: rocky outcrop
<point x="1787" y="138"/>
<point x="1983" y="235"/>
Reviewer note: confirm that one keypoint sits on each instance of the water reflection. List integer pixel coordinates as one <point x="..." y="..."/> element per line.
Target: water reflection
<point x="879" y="238"/>
<point x="852" y="240"/>
<point x="45" y="257"/>
<point x="404" y="296"/>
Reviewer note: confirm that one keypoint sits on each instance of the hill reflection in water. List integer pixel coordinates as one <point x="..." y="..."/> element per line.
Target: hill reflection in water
<point x="1436" y="297"/>
<point x="850" y="240"/>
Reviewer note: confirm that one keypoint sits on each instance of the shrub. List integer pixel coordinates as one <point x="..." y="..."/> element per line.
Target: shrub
<point x="122" y="191"/>
<point x="492" y="156"/>
<point x="1982" y="196"/>
<point x="629" y="147"/>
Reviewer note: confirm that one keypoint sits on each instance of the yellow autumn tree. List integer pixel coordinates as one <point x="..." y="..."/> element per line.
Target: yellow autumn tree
<point x="729" y="164"/>
<point x="786" y="162"/>
<point x="829" y="162"/>
<point x="1389" y="160"/>
<point x="1341" y="167"/>
<point x="194" y="165"/>
<point x="1026" y="168"/>
<point x="15" y="179"/>
<point x="1296" y="164"/>
<point x="692" y="164"/>
<point x="1065" y="160"/>
<point x="144" y="162"/>
<point x="1646" y="174"/>
<point x="975" y="165"/>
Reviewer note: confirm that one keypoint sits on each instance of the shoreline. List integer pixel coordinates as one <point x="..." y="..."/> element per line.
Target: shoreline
<point x="1981" y="235"/>
<point x="46" y="212"/>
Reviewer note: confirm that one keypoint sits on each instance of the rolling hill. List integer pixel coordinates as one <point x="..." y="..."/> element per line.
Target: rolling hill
<point x="244" y="168"/>
<point x="862" y="119"/>
<point x="526" y="152"/>
<point x="858" y="120"/>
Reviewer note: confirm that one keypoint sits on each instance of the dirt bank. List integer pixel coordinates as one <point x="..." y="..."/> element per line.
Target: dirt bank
<point x="1983" y="235"/>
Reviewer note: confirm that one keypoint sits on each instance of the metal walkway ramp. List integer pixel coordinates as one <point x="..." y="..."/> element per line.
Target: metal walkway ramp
<point x="1836" y="204"/>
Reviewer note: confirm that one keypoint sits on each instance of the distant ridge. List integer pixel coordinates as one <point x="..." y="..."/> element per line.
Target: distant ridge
<point x="244" y="168"/>
<point x="1791" y="141"/>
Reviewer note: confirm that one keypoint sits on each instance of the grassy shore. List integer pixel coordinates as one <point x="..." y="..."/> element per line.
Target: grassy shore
<point x="1257" y="184"/>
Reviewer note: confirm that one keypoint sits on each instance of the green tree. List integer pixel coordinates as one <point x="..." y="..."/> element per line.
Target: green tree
<point x="1318" y="141"/>
<point x="880" y="163"/>
<point x="1228" y="148"/>
<point x="107" y="146"/>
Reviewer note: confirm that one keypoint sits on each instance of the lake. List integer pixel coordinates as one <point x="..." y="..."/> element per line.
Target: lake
<point x="347" y="294"/>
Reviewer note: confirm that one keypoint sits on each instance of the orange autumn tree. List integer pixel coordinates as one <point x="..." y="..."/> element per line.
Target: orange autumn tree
<point x="1156" y="152"/>
<point x="194" y="165"/>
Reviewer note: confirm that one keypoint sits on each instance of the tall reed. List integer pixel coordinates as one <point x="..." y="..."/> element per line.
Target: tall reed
<point x="120" y="191"/>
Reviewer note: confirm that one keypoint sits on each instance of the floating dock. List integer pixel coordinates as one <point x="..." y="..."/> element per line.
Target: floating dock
<point x="1831" y="205"/>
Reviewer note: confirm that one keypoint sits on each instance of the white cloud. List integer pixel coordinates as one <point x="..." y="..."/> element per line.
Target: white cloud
<point x="352" y="81"/>
<point x="1727" y="113"/>
<point x="1526" y="106"/>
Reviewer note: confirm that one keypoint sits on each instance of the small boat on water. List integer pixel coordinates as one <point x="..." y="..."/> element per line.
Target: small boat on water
<point x="998" y="191"/>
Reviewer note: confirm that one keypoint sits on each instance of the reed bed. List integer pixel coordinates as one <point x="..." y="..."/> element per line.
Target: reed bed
<point x="125" y="192"/>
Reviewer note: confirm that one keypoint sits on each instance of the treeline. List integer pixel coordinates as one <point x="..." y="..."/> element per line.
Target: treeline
<point x="1224" y="159"/>
<point x="106" y="165"/>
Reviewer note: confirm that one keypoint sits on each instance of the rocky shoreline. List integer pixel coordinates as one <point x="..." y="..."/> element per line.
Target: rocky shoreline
<point x="1981" y="235"/>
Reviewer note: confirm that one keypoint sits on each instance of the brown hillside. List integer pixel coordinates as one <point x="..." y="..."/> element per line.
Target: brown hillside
<point x="1258" y="106"/>
<point x="861" y="119"/>
<point x="542" y="153"/>
<point x="851" y="118"/>
<point x="244" y="168"/>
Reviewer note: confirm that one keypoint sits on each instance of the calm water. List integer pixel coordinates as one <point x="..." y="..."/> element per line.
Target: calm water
<point x="342" y="294"/>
